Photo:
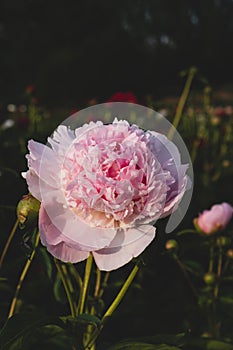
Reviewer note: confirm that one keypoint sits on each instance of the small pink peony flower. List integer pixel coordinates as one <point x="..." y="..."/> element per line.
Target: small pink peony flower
<point x="215" y="219"/>
<point x="101" y="188"/>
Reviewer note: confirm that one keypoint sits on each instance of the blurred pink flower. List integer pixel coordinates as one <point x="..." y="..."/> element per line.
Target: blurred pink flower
<point x="123" y="97"/>
<point x="101" y="187"/>
<point x="215" y="219"/>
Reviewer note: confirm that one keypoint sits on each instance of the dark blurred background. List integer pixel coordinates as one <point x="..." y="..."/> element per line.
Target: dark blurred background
<point x="73" y="50"/>
<point x="71" y="54"/>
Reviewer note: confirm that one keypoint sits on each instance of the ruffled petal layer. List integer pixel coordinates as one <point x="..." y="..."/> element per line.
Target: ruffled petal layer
<point x="112" y="258"/>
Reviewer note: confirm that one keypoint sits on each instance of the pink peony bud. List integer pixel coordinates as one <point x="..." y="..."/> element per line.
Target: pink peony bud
<point x="215" y="219"/>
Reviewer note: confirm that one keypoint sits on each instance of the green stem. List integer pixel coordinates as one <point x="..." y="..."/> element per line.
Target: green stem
<point x="211" y="262"/>
<point x="22" y="277"/>
<point x="121" y="294"/>
<point x="66" y="287"/>
<point x="83" y="294"/>
<point x="113" y="306"/>
<point x="191" y="73"/>
<point x="219" y="271"/>
<point x="104" y="284"/>
<point x="186" y="231"/>
<point x="76" y="275"/>
<point x="67" y="277"/>
<point x="98" y="281"/>
<point x="186" y="275"/>
<point x="93" y="308"/>
<point x="8" y="242"/>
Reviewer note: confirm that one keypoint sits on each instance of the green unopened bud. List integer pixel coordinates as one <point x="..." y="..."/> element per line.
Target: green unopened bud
<point x="223" y="241"/>
<point x="171" y="245"/>
<point x="209" y="278"/>
<point x="230" y="253"/>
<point x="27" y="210"/>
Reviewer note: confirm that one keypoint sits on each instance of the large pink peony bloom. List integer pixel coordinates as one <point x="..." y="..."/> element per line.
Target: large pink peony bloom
<point x="215" y="219"/>
<point x="101" y="187"/>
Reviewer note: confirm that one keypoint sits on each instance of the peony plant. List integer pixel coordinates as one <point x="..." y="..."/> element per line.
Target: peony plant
<point x="98" y="190"/>
<point x="101" y="187"/>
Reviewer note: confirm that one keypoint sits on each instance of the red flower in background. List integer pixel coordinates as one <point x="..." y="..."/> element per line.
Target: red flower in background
<point x="123" y="97"/>
<point x="29" y="89"/>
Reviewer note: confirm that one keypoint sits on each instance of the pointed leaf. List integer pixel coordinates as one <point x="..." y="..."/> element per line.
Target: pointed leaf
<point x="22" y="324"/>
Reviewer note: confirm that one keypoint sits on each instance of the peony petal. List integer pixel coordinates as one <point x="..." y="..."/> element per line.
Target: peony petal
<point x="165" y="149"/>
<point x="172" y="204"/>
<point x="44" y="162"/>
<point x="33" y="183"/>
<point x="72" y="227"/>
<point x="109" y="259"/>
<point x="227" y="212"/>
<point x="51" y="235"/>
<point x="65" y="253"/>
<point x="61" y="139"/>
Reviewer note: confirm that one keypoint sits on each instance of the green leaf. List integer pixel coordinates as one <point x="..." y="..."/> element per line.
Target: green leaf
<point x="51" y="337"/>
<point x="194" y="267"/>
<point x="208" y="344"/>
<point x="77" y="326"/>
<point x="83" y="319"/>
<point x="135" y="345"/>
<point x="217" y="345"/>
<point x="227" y="300"/>
<point x="21" y="324"/>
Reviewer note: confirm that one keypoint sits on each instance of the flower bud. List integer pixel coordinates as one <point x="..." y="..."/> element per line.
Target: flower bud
<point x="230" y="253"/>
<point x="223" y="241"/>
<point x="209" y="278"/>
<point x="215" y="219"/>
<point x="171" y="245"/>
<point x="28" y="209"/>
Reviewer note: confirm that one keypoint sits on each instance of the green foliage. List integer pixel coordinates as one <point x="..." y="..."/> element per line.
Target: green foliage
<point x="16" y="330"/>
<point x="186" y="284"/>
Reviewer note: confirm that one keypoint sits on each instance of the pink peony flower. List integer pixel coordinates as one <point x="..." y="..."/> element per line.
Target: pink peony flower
<point x="101" y="189"/>
<point x="215" y="219"/>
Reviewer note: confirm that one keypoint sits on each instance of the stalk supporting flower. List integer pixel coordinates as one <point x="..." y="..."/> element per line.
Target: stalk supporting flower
<point x="66" y="286"/>
<point x="8" y="242"/>
<point x="219" y="272"/>
<point x="86" y="280"/>
<point x="22" y="277"/>
<point x="186" y="275"/>
<point x="76" y="275"/>
<point x="113" y="306"/>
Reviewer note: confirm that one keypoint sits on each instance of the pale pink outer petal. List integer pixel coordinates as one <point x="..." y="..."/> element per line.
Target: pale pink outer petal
<point x="166" y="150"/>
<point x="56" y="243"/>
<point x="44" y="162"/>
<point x="65" y="253"/>
<point x="41" y="157"/>
<point x="109" y="259"/>
<point x="72" y="227"/>
<point x="33" y="183"/>
<point x="172" y="205"/>
<point x="61" y="139"/>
